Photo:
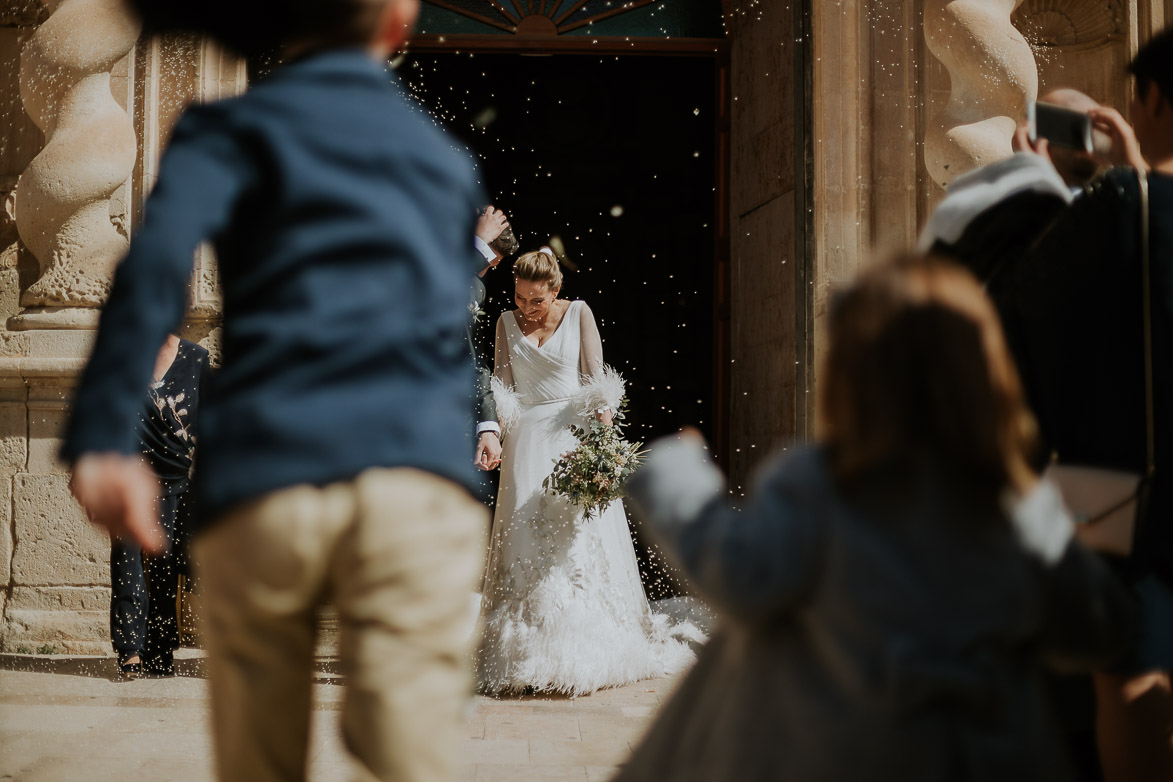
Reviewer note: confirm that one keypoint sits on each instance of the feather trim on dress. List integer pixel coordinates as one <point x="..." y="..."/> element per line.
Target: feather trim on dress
<point x="508" y="404"/>
<point x="576" y="649"/>
<point x="606" y="389"/>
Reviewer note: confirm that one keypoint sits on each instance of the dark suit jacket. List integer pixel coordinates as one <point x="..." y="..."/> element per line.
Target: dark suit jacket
<point x="343" y="224"/>
<point x="1078" y="311"/>
<point x="486" y="405"/>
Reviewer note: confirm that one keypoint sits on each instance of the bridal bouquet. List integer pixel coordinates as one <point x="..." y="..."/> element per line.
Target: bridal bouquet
<point x="593" y="475"/>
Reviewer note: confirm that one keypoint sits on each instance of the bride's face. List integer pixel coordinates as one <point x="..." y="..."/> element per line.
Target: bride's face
<point x="533" y="299"/>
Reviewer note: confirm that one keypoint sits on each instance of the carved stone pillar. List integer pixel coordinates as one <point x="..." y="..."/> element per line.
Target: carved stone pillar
<point x="106" y="108"/>
<point x="64" y="199"/>
<point x="992" y="77"/>
<point x="71" y="209"/>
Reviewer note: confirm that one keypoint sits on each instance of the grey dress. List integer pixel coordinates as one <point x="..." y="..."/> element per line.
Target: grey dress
<point x="893" y="634"/>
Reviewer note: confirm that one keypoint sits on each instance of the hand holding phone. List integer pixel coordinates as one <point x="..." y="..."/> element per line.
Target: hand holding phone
<point x="1059" y="126"/>
<point x="1124" y="149"/>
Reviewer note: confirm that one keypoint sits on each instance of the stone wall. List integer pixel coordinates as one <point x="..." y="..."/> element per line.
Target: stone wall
<point x="85" y="119"/>
<point x="65" y="227"/>
<point x="21" y="139"/>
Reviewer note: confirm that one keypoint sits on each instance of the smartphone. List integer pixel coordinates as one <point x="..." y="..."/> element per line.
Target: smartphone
<point x="1061" y="127"/>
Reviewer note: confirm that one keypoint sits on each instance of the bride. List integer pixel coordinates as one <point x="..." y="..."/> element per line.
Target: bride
<point x="563" y="608"/>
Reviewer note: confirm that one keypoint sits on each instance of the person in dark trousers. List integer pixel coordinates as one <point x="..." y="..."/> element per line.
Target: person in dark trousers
<point x="888" y="596"/>
<point x="334" y="439"/>
<point x="144" y="622"/>
<point x="1079" y="298"/>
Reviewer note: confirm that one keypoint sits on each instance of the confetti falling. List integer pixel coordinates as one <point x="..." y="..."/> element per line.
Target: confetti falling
<point x="563" y="165"/>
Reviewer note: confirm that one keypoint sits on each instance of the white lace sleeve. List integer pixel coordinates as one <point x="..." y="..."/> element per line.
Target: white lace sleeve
<point x="602" y="386"/>
<point x="508" y="404"/>
<point x="501" y="369"/>
<point x="590" y="357"/>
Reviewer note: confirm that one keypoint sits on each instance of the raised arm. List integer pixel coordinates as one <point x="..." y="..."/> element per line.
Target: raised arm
<point x="751" y="562"/>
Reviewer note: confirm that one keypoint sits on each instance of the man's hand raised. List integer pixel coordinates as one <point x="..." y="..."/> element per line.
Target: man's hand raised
<point x="1020" y="142"/>
<point x="491" y="224"/>
<point x="1125" y="148"/>
<point x="121" y="494"/>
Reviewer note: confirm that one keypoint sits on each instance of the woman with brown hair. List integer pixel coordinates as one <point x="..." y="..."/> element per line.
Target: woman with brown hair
<point x="888" y="595"/>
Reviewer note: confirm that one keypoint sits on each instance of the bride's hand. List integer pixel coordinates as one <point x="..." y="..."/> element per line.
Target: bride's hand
<point x="605" y="416"/>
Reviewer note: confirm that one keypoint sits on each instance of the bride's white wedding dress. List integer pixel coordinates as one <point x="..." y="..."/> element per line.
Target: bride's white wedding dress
<point x="562" y="608"/>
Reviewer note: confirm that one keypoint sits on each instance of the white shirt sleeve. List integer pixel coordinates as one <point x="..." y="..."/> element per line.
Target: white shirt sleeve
<point x="1042" y="522"/>
<point x="676" y="481"/>
<point x="484" y="249"/>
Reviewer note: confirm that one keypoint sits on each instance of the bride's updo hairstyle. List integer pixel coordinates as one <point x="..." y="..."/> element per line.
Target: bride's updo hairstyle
<point x="918" y="374"/>
<point x="539" y="266"/>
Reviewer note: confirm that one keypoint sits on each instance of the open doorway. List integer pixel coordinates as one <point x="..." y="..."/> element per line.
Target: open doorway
<point x="617" y="156"/>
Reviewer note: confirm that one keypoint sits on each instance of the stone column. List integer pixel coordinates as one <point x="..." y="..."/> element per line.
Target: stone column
<point x="90" y="89"/>
<point x="66" y="210"/>
<point x="72" y="213"/>
<point x="992" y="78"/>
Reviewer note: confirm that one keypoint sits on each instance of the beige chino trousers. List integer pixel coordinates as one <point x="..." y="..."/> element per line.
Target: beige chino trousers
<point x="397" y="552"/>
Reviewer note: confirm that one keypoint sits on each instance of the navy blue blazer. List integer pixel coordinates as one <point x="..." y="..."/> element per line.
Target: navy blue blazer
<point x="342" y="219"/>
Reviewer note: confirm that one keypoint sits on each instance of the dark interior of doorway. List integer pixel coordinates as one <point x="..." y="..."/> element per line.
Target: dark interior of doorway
<point x="615" y="156"/>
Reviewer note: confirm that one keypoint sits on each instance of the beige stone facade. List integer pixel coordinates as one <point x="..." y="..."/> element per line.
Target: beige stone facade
<point x="844" y="120"/>
<point x="86" y="109"/>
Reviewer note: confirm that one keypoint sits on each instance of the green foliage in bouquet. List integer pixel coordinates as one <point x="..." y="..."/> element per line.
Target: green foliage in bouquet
<point x="593" y="475"/>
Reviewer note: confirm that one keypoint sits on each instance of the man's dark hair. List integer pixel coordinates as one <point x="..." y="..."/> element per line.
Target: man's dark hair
<point x="1153" y="64"/>
<point x="256" y="27"/>
<point x="506" y="243"/>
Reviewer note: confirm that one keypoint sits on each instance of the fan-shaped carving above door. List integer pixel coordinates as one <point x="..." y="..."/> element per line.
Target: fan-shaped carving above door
<point x="1067" y="23"/>
<point x="538" y="17"/>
